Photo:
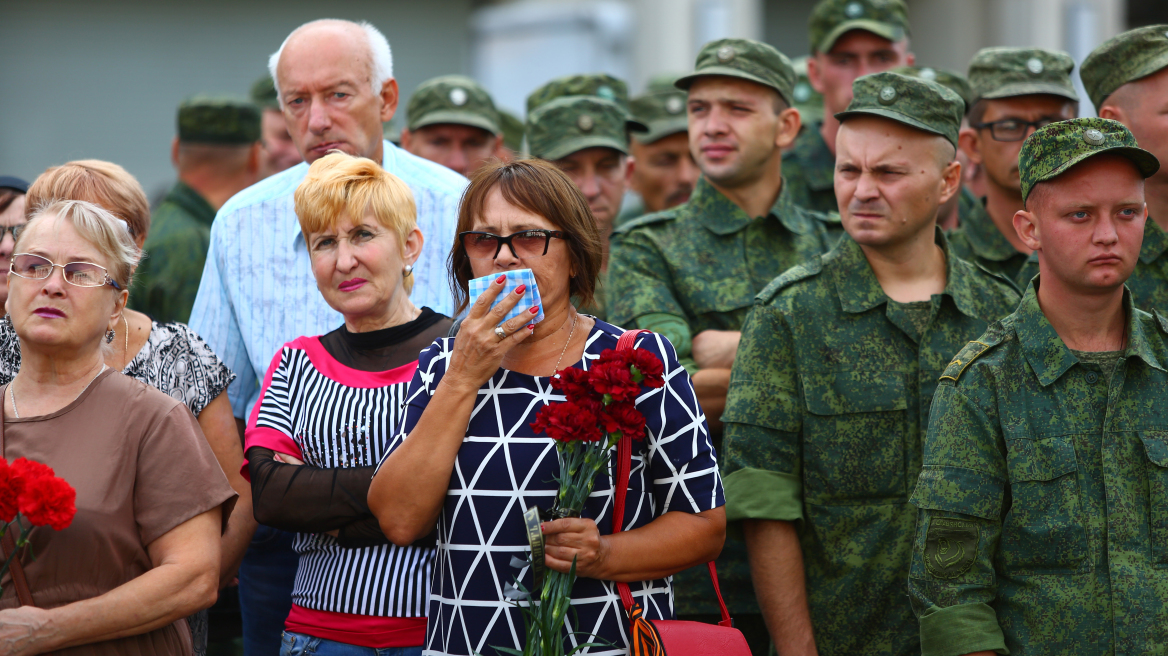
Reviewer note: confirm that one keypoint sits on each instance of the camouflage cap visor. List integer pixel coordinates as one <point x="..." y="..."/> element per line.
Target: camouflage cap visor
<point x="1056" y="148"/>
<point x="1112" y="83"/>
<point x="473" y="119"/>
<point x="1146" y="163"/>
<point x="881" y="29"/>
<point x="563" y="148"/>
<point x="685" y="81"/>
<point x="1016" y="89"/>
<point x="660" y="129"/>
<point x="951" y="137"/>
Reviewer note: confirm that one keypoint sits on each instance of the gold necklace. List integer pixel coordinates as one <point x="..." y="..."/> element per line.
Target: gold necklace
<point x="564" y="350"/>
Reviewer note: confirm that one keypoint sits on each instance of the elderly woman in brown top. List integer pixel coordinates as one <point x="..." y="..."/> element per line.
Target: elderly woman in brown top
<point x="142" y="552"/>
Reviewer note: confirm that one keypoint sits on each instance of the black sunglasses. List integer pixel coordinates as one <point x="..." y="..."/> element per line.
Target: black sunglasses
<point x="527" y="243"/>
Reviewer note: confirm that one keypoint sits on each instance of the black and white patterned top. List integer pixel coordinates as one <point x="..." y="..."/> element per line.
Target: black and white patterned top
<point x="174" y="360"/>
<point x="503" y="467"/>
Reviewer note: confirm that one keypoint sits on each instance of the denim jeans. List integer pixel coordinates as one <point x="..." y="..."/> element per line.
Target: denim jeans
<point x="298" y="644"/>
<point x="266" y="578"/>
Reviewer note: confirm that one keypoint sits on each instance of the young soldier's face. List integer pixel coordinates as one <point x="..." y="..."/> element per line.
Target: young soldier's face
<point x="663" y="172"/>
<point x="599" y="173"/>
<point x="855" y="54"/>
<point x="461" y="148"/>
<point x="1087" y="224"/>
<point x="999" y="159"/>
<point x="1143" y="108"/>
<point x="890" y="179"/>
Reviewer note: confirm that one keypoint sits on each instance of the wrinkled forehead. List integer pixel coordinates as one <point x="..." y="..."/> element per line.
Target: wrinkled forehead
<point x="55" y="238"/>
<point x="500" y="216"/>
<point x="325" y="55"/>
<point x="868" y="137"/>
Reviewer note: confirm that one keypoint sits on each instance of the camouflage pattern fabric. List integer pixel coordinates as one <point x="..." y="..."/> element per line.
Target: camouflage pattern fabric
<point x="566" y="125"/>
<point x="808" y="101"/>
<point x="1043" y="496"/>
<point x="218" y="120"/>
<point x="915" y="102"/>
<point x="1054" y="149"/>
<point x="1001" y="72"/>
<point x="597" y="85"/>
<point x="168" y="278"/>
<point x="977" y="239"/>
<point x="809" y="167"/>
<point x="955" y="82"/>
<point x="828" y="402"/>
<point x="745" y="59"/>
<point x="703" y="262"/>
<point x="453" y="99"/>
<point x="662" y="111"/>
<point x="263" y="94"/>
<point x="1125" y="58"/>
<point x="512" y="130"/>
<point x="831" y="19"/>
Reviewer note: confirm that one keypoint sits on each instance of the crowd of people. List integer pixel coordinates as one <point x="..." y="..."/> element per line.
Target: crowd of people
<point x="909" y="321"/>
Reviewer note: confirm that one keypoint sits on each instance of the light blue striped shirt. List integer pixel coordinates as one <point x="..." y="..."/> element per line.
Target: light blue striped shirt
<point x="258" y="291"/>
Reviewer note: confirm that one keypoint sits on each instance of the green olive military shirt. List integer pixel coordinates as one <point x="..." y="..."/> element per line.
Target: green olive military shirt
<point x="705" y="260"/>
<point x="167" y="280"/>
<point x="978" y="240"/>
<point x="809" y="167"/>
<point x="1044" y="496"/>
<point x="828" y="400"/>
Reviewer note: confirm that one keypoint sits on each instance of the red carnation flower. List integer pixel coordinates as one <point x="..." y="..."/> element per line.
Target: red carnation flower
<point x="568" y="422"/>
<point x="615" y="380"/>
<point x="626" y="418"/>
<point x="10" y="486"/>
<point x="30" y="470"/>
<point x="48" y="501"/>
<point x="574" y="383"/>
<point x="650" y="368"/>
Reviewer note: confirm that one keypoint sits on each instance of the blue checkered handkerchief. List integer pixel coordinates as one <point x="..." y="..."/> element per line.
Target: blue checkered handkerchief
<point x="514" y="279"/>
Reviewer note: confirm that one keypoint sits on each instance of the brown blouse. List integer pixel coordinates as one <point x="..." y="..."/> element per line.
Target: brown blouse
<point x="141" y="466"/>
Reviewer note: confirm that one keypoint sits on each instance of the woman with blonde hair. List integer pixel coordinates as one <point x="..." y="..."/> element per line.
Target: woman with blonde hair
<point x="328" y="409"/>
<point x="167" y="356"/>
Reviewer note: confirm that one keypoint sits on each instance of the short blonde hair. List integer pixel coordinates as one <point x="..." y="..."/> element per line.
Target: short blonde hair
<point x="99" y="227"/>
<point x="340" y="185"/>
<point x="102" y="183"/>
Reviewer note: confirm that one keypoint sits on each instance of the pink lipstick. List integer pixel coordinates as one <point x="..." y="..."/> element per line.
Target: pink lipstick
<point x="352" y="285"/>
<point x="49" y="313"/>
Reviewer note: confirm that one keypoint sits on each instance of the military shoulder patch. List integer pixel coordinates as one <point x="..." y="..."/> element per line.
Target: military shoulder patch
<point x="648" y="219"/>
<point x="950" y="546"/>
<point x="808" y="269"/>
<point x="964" y="357"/>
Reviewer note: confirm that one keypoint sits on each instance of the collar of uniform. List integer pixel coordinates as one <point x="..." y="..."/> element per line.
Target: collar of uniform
<point x="722" y="217"/>
<point x="388" y="162"/>
<point x="184" y="196"/>
<point x="1046" y="352"/>
<point x="817" y="159"/>
<point x="860" y="291"/>
<point x="1155" y="242"/>
<point x="985" y="238"/>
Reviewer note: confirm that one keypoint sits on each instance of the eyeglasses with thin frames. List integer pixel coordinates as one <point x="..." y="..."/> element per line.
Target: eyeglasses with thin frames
<point x="526" y="243"/>
<point x="1013" y="129"/>
<point x="79" y="274"/>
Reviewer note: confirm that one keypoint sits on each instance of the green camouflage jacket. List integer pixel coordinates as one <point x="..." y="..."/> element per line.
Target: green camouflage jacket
<point x="828" y="401"/>
<point x="1148" y="283"/>
<point x="704" y="261"/>
<point x="978" y="240"/>
<point x="809" y="167"/>
<point x="176" y="249"/>
<point x="1043" y="497"/>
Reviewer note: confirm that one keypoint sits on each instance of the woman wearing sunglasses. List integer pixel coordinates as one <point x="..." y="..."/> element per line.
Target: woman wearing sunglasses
<point x="468" y="461"/>
<point x="142" y="552"/>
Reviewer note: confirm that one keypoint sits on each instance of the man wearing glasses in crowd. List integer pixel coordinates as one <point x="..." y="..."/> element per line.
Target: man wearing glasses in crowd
<point x="1016" y="91"/>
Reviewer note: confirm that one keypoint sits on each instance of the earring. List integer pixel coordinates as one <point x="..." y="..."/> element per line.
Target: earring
<point x="409" y="270"/>
<point x="109" y="336"/>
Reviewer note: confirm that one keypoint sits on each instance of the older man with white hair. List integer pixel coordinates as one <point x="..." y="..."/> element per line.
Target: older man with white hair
<point x="335" y="84"/>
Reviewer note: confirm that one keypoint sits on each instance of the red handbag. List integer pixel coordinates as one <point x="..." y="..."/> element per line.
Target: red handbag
<point x="667" y="637"/>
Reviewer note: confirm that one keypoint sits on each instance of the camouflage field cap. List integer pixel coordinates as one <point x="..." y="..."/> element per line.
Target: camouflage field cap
<point x="954" y="81"/>
<point x="452" y="99"/>
<point x="661" y="109"/>
<point x="831" y="19"/>
<point x="218" y="120"/>
<point x="808" y="101"/>
<point x="263" y="93"/>
<point x="1125" y="58"/>
<point x="566" y="125"/>
<point x="916" y="102"/>
<point x="743" y="58"/>
<point x="1007" y="72"/>
<point x="1054" y="149"/>
<point x="599" y="85"/>
<point x="512" y="130"/>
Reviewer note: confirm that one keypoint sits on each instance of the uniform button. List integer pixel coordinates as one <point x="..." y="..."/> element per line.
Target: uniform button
<point x="1092" y="377"/>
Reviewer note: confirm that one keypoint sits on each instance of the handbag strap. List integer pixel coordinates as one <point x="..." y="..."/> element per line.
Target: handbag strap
<point x="624" y="463"/>
<point x="8" y="544"/>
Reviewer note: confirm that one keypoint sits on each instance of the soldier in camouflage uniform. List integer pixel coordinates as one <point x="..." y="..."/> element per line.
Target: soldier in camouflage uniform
<point x="662" y="171"/>
<point x="453" y="121"/>
<point x="512" y="127"/>
<point x="279" y="152"/>
<point x="831" y="387"/>
<point x="1127" y="80"/>
<point x="1043" y="494"/>
<point x="581" y="123"/>
<point x="849" y="39"/>
<point x="691" y="272"/>
<point x="1016" y="91"/>
<point x="217" y="153"/>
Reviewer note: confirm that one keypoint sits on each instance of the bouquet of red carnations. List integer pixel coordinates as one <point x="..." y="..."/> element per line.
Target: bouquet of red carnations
<point x="32" y="495"/>
<point x="598" y="411"/>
